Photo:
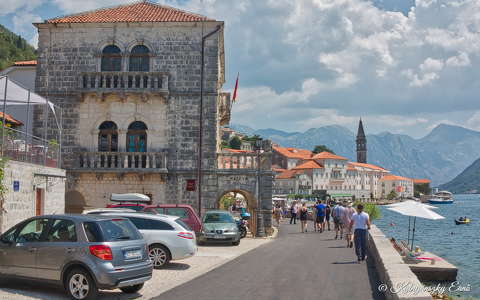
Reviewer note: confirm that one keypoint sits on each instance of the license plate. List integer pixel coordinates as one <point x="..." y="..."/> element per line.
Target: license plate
<point x="133" y="254"/>
<point x="217" y="236"/>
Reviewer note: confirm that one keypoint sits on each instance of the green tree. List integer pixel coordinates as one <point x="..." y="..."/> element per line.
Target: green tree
<point x="322" y="148"/>
<point x="235" y="143"/>
<point x="392" y="195"/>
<point x="371" y="209"/>
<point x="252" y="138"/>
<point x="13" y="48"/>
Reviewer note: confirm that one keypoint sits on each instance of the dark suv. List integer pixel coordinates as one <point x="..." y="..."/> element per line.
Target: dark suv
<point x="81" y="252"/>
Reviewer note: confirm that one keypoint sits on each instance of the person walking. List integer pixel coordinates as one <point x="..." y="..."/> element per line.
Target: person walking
<point x="337" y="220"/>
<point x="320" y="216"/>
<point x="361" y="223"/>
<point x="304" y="217"/>
<point x="277" y="214"/>
<point x="346" y="218"/>
<point x="328" y="211"/>
<point x="293" y="213"/>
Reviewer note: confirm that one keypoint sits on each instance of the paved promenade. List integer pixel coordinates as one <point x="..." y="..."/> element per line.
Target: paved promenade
<point x="294" y="266"/>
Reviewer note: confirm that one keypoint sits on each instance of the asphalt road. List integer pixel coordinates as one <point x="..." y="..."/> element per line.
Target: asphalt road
<point x="295" y="266"/>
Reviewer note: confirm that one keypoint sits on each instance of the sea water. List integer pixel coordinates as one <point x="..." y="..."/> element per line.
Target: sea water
<point x="458" y="244"/>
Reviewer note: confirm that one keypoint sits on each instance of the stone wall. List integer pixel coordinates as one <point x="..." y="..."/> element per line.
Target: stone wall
<point x="21" y="204"/>
<point x="398" y="281"/>
<point x="92" y="190"/>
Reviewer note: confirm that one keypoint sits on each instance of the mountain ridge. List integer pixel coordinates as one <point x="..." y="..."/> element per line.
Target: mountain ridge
<point x="440" y="155"/>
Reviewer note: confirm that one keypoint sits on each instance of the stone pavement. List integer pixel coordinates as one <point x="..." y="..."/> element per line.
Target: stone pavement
<point x="294" y="266"/>
<point x="177" y="273"/>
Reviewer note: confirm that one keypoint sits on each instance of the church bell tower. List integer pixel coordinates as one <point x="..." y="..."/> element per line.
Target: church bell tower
<point x="361" y="144"/>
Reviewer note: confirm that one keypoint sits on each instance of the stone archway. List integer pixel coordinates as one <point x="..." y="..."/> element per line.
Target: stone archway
<point x="74" y="202"/>
<point x="251" y="206"/>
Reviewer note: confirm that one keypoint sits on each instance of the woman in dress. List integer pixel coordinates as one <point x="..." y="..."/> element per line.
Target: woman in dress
<point x="277" y="214"/>
<point x="303" y="217"/>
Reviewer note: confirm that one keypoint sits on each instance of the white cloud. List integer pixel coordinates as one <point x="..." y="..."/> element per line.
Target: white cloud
<point x="461" y="60"/>
<point x="10" y="6"/>
<point x="75" y="6"/>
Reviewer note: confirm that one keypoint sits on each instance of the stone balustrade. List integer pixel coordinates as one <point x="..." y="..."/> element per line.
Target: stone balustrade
<point x="244" y="161"/>
<point x="123" y="161"/>
<point x="125" y="81"/>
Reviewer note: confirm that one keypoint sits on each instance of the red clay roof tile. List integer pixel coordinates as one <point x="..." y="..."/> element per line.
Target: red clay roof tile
<point x="140" y="11"/>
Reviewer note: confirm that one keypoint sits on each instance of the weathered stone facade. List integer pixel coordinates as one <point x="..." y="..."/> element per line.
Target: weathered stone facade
<point x="69" y="73"/>
<point x="32" y="182"/>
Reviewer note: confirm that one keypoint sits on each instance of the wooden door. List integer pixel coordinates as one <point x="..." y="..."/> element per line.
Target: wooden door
<point x="38" y="202"/>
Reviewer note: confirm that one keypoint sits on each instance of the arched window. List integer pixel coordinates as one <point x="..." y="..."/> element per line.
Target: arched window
<point x="137" y="137"/>
<point x="111" y="59"/>
<point x="139" y="59"/>
<point x="108" y="137"/>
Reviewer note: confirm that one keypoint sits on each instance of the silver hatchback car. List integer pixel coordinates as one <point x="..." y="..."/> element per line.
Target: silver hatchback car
<point x="84" y="253"/>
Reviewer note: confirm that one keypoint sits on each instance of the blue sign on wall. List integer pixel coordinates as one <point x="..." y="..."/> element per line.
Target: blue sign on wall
<point x="16" y="186"/>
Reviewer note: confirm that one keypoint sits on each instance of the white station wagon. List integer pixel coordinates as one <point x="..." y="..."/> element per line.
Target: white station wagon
<point x="168" y="237"/>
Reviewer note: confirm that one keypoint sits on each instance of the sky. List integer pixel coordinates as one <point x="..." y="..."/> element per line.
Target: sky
<point x="403" y="66"/>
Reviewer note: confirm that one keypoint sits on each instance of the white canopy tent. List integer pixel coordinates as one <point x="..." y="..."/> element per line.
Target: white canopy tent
<point x="12" y="94"/>
<point x="416" y="210"/>
<point x="409" y="203"/>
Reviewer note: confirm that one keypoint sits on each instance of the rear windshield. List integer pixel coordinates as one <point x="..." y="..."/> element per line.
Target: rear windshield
<point x="183" y="224"/>
<point x="218" y="218"/>
<point x="111" y="231"/>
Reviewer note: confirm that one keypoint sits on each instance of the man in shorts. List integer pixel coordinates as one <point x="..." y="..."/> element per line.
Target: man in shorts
<point x="337" y="219"/>
<point x="320" y="216"/>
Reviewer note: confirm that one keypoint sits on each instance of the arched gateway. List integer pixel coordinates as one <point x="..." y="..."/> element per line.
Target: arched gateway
<point x="250" y="175"/>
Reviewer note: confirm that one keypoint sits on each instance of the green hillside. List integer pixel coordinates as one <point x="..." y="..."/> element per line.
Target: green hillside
<point x="467" y="182"/>
<point x="13" y="48"/>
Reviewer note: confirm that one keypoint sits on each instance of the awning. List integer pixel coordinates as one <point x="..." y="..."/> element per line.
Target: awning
<point x="341" y="195"/>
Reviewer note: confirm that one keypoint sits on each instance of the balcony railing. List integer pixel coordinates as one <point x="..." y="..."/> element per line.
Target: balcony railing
<point x="233" y="161"/>
<point x="154" y="161"/>
<point x="128" y="81"/>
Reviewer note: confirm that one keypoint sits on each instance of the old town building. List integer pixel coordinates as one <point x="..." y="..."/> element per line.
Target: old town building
<point x="138" y="103"/>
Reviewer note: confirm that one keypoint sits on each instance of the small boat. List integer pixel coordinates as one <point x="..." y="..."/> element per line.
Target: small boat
<point x="443" y="197"/>
<point x="460" y="222"/>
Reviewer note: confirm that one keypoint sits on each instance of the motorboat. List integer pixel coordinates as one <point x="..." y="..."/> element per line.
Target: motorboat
<point x="462" y="221"/>
<point x="442" y="197"/>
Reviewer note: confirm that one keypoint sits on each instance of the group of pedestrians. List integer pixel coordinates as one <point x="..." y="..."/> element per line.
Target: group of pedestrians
<point x="347" y="222"/>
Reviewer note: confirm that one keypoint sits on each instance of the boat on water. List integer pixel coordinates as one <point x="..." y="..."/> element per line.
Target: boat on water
<point x="462" y="221"/>
<point x="442" y="197"/>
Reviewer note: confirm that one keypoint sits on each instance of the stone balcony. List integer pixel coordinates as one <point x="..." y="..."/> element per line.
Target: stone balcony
<point x="127" y="82"/>
<point x="244" y="162"/>
<point x="143" y="162"/>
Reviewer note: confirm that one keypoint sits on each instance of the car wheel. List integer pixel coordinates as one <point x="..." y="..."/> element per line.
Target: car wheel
<point x="132" y="289"/>
<point x="236" y="243"/>
<point x="159" y="255"/>
<point x="80" y="285"/>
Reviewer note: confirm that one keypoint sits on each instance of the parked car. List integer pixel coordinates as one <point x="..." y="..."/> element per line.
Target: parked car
<point x="168" y="237"/>
<point x="83" y="253"/>
<point x="183" y="211"/>
<point x="219" y="226"/>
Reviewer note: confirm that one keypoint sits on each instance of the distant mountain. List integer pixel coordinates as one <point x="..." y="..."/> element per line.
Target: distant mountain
<point x="13" y="48"/>
<point x="467" y="182"/>
<point x="440" y="156"/>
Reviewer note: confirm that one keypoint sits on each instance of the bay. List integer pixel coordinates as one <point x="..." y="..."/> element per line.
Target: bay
<point x="458" y="244"/>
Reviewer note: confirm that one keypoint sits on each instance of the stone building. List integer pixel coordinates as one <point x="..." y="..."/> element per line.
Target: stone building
<point x="129" y="81"/>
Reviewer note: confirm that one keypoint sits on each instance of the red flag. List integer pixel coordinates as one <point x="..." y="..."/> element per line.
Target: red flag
<point x="235" y="90"/>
